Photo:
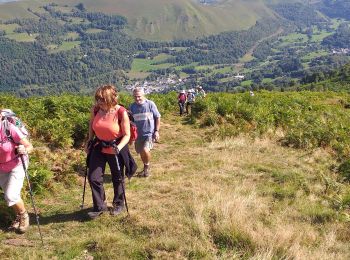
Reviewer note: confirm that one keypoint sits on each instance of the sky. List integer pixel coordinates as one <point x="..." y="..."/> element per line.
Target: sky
<point x="5" y="1"/>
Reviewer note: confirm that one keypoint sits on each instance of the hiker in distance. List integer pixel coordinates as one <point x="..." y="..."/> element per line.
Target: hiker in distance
<point x="190" y="100"/>
<point x="181" y="100"/>
<point x="109" y="134"/>
<point x="13" y="144"/>
<point x="147" y="119"/>
<point x="200" y="92"/>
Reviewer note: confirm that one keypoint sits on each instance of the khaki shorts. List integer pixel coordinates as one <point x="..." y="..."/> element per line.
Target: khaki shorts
<point x="11" y="183"/>
<point x="144" y="143"/>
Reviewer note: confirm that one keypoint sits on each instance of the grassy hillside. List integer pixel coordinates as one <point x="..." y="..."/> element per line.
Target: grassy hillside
<point x="207" y="198"/>
<point x="228" y="199"/>
<point x="18" y="9"/>
<point x="165" y="19"/>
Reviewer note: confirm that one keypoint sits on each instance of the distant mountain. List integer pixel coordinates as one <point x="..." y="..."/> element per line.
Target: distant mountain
<point x="164" y="19"/>
<point x="335" y="8"/>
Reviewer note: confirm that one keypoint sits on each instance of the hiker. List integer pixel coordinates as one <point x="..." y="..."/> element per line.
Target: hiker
<point x="200" y="92"/>
<point x="147" y="119"/>
<point x="109" y="134"/>
<point x="190" y="100"/>
<point x="12" y="172"/>
<point x="181" y="100"/>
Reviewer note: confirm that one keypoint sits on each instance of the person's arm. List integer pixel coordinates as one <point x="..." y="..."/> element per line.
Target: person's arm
<point x="156" y="117"/>
<point x="125" y="128"/>
<point x="156" y="129"/>
<point x="24" y="146"/>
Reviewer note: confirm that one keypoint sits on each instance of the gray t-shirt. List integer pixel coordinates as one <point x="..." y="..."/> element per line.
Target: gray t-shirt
<point x="144" y="115"/>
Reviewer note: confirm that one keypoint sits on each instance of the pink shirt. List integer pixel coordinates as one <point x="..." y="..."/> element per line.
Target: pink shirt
<point x="106" y="128"/>
<point x="8" y="159"/>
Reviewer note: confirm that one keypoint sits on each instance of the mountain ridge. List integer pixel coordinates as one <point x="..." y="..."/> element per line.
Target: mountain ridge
<point x="163" y="19"/>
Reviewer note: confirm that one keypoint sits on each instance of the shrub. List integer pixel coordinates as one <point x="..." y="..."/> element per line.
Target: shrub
<point x="344" y="170"/>
<point x="346" y="200"/>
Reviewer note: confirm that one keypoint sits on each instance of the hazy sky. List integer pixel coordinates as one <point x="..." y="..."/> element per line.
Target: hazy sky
<point x="5" y="1"/>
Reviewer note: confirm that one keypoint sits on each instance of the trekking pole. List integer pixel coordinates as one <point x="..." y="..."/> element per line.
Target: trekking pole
<point x="123" y="187"/>
<point x="32" y="197"/>
<point x="86" y="173"/>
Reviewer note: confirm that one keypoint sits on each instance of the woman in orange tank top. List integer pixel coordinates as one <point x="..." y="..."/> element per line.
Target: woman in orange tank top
<point x="109" y="123"/>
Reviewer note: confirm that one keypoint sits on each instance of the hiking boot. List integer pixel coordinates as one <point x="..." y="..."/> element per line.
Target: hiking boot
<point x="117" y="209"/>
<point x="96" y="214"/>
<point x="23" y="222"/>
<point x="15" y="224"/>
<point x="144" y="173"/>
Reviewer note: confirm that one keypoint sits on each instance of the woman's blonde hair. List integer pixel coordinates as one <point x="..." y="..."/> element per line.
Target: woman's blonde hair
<point x="107" y="94"/>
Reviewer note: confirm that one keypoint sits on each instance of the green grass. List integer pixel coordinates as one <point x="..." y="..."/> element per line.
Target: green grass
<point x="146" y="65"/>
<point x="71" y="35"/>
<point x="65" y="46"/>
<point x="225" y="69"/>
<point x="313" y="55"/>
<point x="246" y="83"/>
<point x="267" y="80"/>
<point x="161" y="57"/>
<point x="336" y="23"/>
<point x="319" y="36"/>
<point x="141" y="65"/>
<point x="8" y="28"/>
<point x="293" y="38"/>
<point x="22" y="37"/>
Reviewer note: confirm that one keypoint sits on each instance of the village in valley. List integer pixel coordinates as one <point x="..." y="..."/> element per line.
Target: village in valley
<point x="168" y="83"/>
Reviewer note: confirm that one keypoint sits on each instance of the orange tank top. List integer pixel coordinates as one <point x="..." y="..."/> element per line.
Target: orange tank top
<point x="106" y="128"/>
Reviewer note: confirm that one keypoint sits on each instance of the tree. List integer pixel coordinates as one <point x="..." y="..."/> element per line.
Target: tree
<point x="81" y="7"/>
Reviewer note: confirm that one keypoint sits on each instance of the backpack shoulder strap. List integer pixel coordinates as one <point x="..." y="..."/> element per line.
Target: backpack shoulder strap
<point x="6" y="127"/>
<point x="95" y="109"/>
<point x="120" y="112"/>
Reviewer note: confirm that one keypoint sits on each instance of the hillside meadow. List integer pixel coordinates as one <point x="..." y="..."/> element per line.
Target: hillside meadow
<point x="262" y="177"/>
<point x="160" y="20"/>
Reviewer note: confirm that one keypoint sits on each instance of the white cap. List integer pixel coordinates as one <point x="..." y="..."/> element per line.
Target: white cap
<point x="7" y="112"/>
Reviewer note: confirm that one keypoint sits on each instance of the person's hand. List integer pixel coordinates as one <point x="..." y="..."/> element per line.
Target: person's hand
<point x="21" y="149"/>
<point x="156" y="136"/>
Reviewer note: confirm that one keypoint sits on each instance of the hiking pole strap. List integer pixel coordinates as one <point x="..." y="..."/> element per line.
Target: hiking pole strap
<point x="31" y="197"/>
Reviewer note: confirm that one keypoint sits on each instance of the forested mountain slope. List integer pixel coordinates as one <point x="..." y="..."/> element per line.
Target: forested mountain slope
<point x="335" y="80"/>
<point x="73" y="46"/>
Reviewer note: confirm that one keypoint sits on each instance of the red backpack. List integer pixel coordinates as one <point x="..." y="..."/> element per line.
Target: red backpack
<point x="133" y="127"/>
<point x="182" y="97"/>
